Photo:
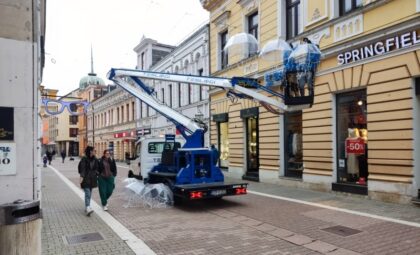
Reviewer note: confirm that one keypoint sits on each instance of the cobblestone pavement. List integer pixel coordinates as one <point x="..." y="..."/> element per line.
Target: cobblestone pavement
<point x="63" y="216"/>
<point x="255" y="224"/>
<point x="408" y="212"/>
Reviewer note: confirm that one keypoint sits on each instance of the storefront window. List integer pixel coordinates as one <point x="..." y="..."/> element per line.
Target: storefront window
<point x="252" y="144"/>
<point x="223" y="144"/>
<point x="352" y="137"/>
<point x="293" y="144"/>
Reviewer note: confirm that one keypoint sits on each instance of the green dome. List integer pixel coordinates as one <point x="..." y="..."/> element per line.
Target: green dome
<point x="90" y="79"/>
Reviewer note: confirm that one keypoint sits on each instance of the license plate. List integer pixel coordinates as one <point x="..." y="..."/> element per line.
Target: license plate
<point x="218" y="192"/>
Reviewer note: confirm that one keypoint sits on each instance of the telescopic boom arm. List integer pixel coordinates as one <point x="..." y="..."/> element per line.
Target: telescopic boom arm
<point x="238" y="86"/>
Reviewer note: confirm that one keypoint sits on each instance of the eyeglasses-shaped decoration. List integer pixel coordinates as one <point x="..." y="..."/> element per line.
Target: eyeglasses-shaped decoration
<point x="54" y="107"/>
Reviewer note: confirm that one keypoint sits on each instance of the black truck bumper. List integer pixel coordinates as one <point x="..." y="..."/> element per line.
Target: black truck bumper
<point x="209" y="190"/>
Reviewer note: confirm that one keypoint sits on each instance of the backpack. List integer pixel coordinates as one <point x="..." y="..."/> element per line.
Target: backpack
<point x="79" y="167"/>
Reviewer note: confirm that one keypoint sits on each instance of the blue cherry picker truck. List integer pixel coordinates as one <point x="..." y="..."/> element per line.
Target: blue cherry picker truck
<point x="191" y="171"/>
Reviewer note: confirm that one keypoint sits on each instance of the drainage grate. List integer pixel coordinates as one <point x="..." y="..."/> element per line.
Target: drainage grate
<point x="84" y="238"/>
<point x="342" y="231"/>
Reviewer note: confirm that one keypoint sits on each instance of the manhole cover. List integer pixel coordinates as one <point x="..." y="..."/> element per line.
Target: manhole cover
<point x="90" y="237"/>
<point x="342" y="231"/>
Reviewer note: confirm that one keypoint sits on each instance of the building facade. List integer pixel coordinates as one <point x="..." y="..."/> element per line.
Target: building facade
<point x="91" y="87"/>
<point x="66" y="127"/>
<point x="46" y="118"/>
<point x="112" y="124"/>
<point x="362" y="133"/>
<point x="189" y="57"/>
<point x="22" y="33"/>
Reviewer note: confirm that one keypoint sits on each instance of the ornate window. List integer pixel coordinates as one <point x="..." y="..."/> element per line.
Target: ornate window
<point x="293" y="17"/>
<point x="223" y="55"/>
<point x="347" y="6"/>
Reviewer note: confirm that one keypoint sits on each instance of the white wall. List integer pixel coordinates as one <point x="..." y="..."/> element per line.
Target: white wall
<point x="19" y="80"/>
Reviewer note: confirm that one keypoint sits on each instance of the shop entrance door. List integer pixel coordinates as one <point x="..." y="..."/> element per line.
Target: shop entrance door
<point x="252" y="154"/>
<point x="293" y="155"/>
<point x="352" y="142"/>
<point x="223" y="144"/>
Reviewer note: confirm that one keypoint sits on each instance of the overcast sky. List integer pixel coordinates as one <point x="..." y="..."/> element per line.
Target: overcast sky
<point x="114" y="28"/>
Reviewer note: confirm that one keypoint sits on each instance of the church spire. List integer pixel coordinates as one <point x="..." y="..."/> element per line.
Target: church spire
<point x="92" y="73"/>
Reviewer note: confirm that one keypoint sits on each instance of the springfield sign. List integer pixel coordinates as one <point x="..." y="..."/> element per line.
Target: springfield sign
<point x="379" y="48"/>
<point x="7" y="158"/>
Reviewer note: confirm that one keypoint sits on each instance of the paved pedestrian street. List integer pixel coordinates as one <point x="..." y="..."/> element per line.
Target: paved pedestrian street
<point x="250" y="224"/>
<point x="63" y="217"/>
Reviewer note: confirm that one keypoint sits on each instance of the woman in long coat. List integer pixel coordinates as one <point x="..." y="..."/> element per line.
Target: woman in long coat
<point x="88" y="170"/>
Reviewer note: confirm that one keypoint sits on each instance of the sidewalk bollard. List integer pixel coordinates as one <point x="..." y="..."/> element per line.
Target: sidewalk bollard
<point x="20" y="228"/>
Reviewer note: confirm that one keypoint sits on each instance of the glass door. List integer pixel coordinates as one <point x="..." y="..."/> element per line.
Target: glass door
<point x="293" y="153"/>
<point x="352" y="138"/>
<point x="223" y="142"/>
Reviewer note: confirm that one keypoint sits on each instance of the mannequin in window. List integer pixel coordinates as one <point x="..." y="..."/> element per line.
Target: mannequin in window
<point x="352" y="160"/>
<point x="364" y="134"/>
<point x="297" y="146"/>
<point x="363" y="166"/>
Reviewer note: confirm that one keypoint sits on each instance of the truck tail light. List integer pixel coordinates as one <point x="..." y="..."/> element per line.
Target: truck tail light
<point x="196" y="195"/>
<point x="240" y="191"/>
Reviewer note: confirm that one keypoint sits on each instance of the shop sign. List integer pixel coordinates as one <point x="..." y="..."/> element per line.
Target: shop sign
<point x="222" y="117"/>
<point x="249" y="112"/>
<point x="7" y="158"/>
<point x="6" y="124"/>
<point x="144" y="131"/>
<point x="355" y="146"/>
<point x="379" y="48"/>
<point x="124" y="134"/>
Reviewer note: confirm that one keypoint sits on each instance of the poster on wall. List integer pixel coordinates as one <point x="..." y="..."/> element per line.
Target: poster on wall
<point x="7" y="158"/>
<point x="6" y="124"/>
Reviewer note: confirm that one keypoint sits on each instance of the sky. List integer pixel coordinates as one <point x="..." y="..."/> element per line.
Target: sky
<point x="113" y="28"/>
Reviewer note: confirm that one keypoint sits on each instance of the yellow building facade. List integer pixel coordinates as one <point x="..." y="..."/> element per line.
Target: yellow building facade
<point x="363" y="131"/>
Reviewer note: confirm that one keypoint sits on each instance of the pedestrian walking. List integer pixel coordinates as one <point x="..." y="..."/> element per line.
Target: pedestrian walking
<point x="63" y="155"/>
<point x="45" y="160"/>
<point x="106" y="179"/>
<point x="88" y="170"/>
<point x="49" y="157"/>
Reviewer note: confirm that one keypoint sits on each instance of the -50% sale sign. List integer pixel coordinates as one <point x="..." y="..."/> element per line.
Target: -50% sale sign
<point x="355" y="146"/>
<point x="7" y="158"/>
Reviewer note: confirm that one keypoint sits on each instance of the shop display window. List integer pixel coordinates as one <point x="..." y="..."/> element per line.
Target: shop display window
<point x="252" y="144"/>
<point x="223" y="144"/>
<point x="293" y="144"/>
<point x="352" y="138"/>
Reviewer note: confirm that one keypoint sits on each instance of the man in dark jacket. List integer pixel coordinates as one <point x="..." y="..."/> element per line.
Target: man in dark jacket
<point x="88" y="170"/>
<point x="63" y="155"/>
<point x="106" y="180"/>
<point x="49" y="157"/>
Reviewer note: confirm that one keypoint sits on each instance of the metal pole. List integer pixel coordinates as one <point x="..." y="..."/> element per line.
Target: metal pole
<point x="93" y="126"/>
<point x="87" y="126"/>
